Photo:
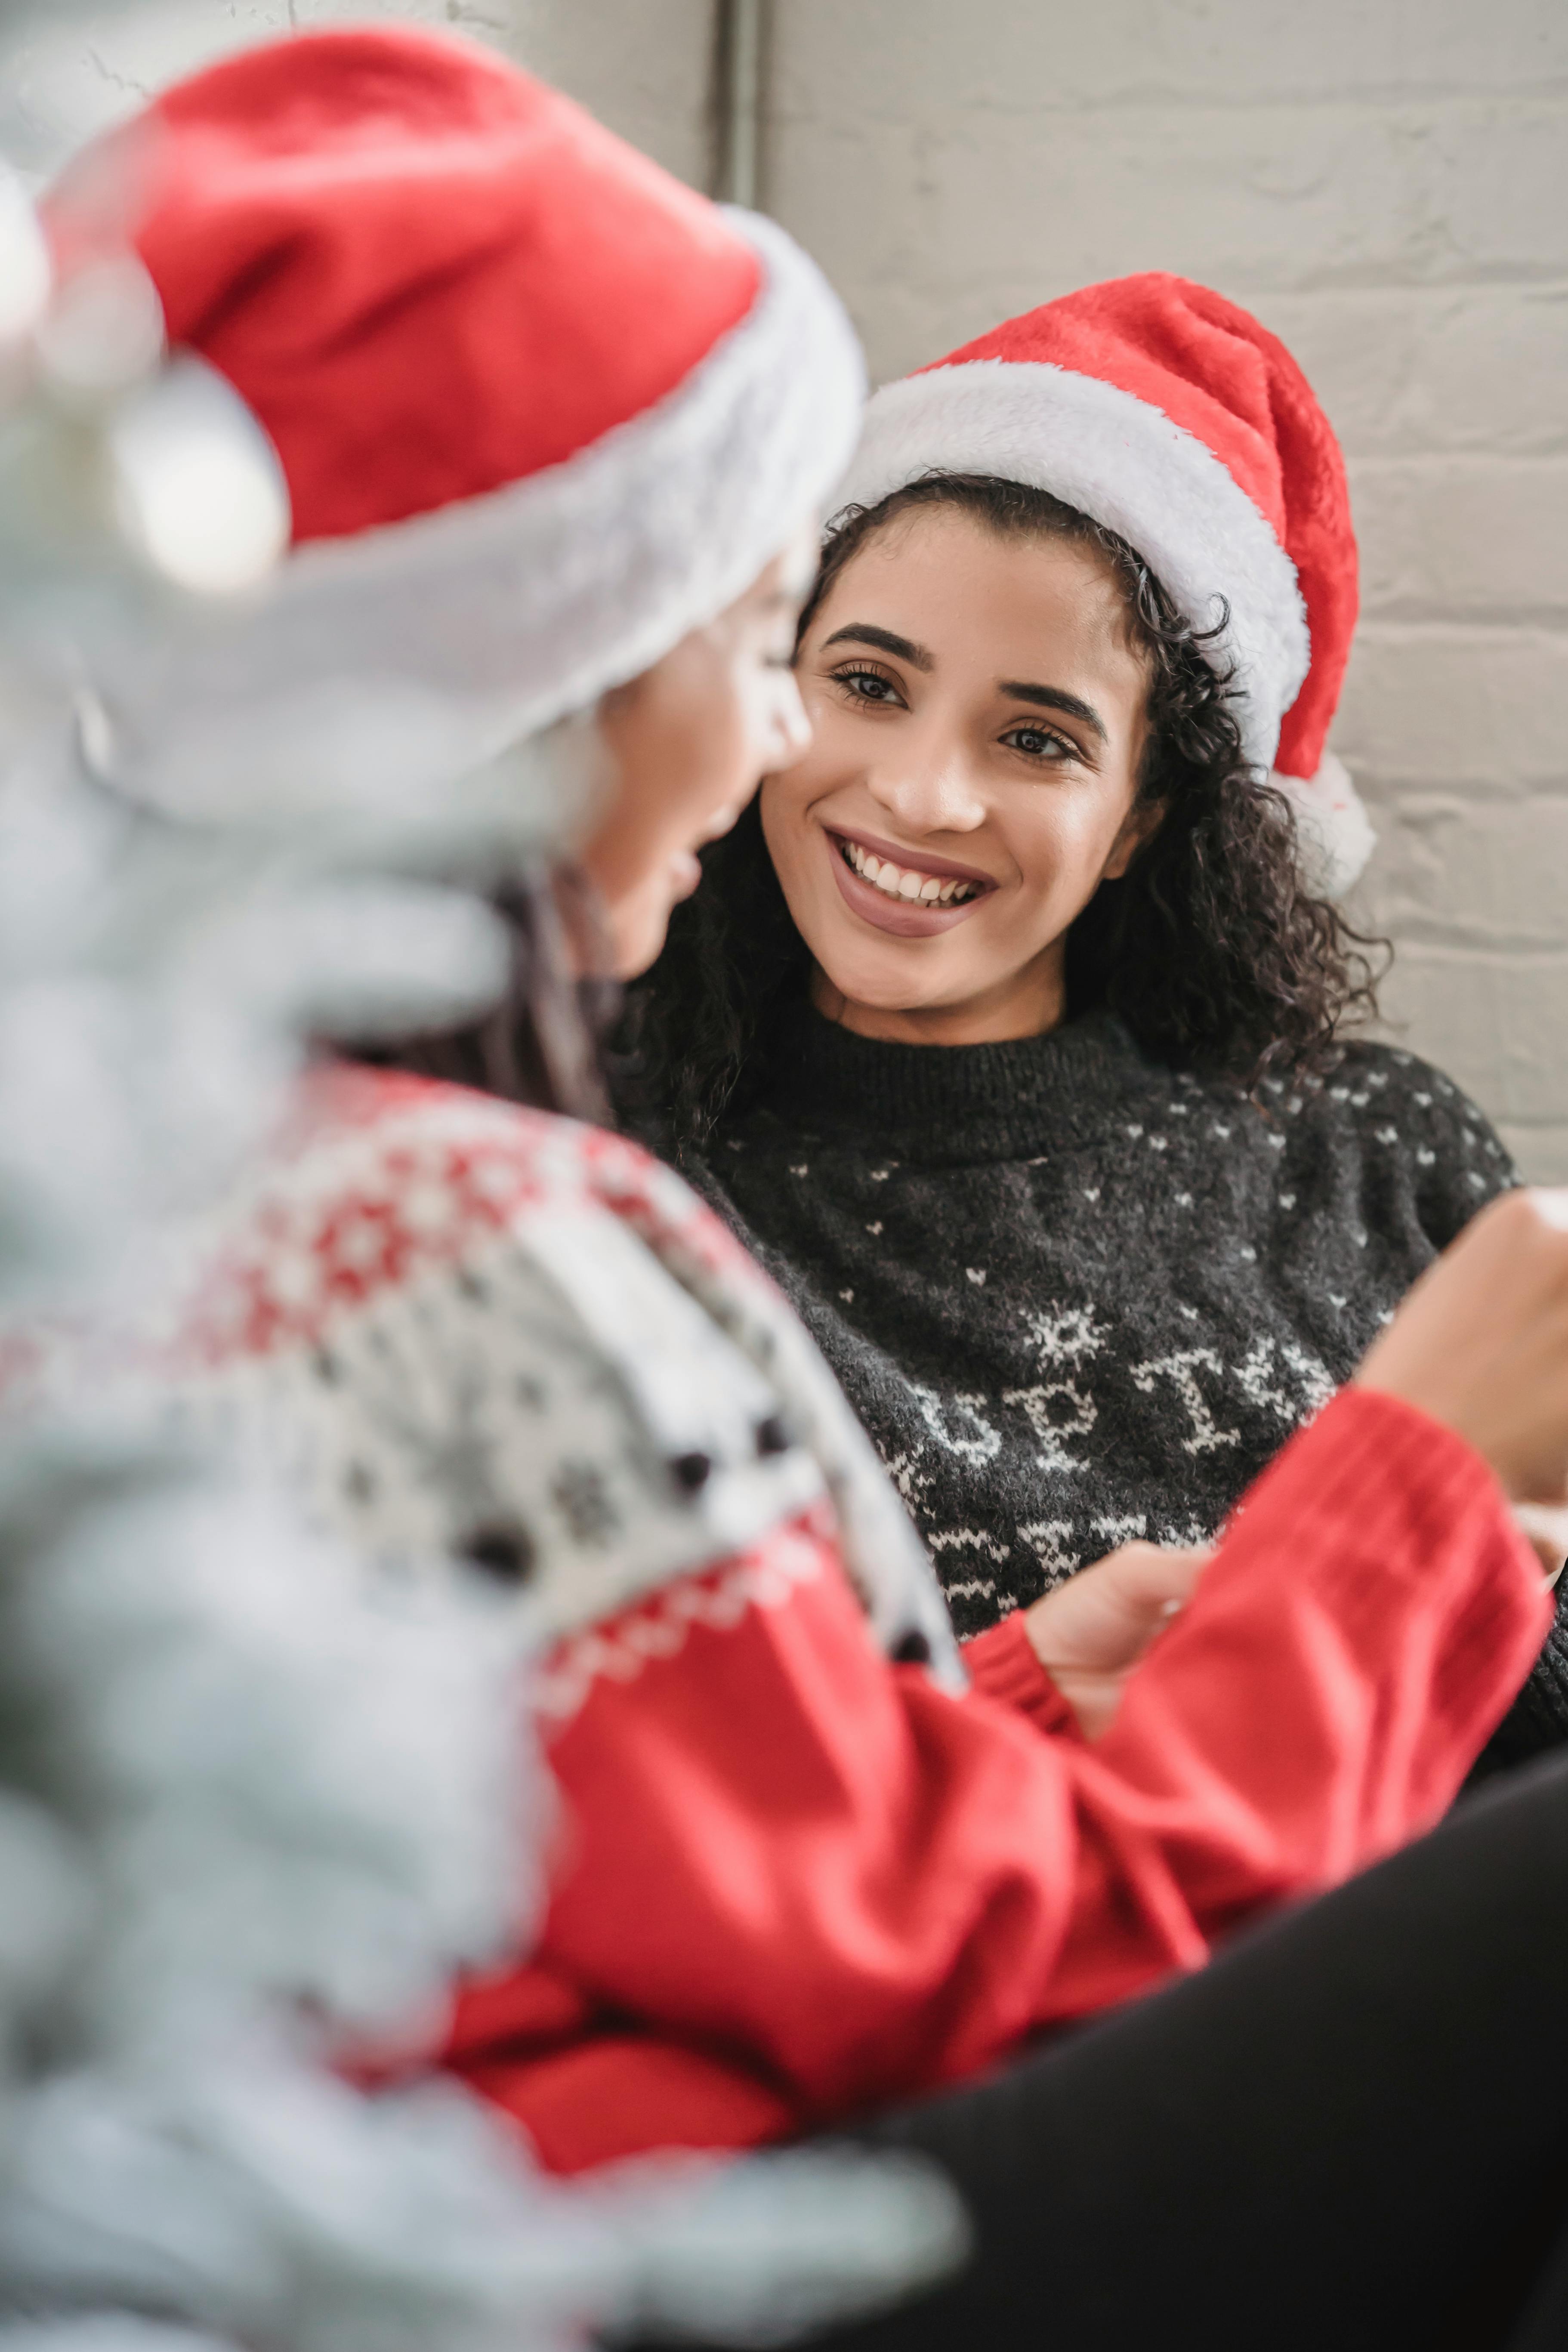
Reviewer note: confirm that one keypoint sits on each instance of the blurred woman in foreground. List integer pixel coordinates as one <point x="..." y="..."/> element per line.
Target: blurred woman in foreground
<point x="555" y="433"/>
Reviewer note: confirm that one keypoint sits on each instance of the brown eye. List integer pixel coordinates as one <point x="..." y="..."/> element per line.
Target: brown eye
<point x="868" y="686"/>
<point x="1040" y="743"/>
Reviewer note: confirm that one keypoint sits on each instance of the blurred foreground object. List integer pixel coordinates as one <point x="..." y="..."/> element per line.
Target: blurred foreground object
<point x="253" y="1801"/>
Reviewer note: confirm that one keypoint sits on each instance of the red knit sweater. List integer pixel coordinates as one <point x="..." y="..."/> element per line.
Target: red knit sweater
<point x="794" y="1880"/>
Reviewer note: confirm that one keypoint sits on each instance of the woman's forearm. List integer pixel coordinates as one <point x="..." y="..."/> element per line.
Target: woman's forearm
<point x="1367" y="1617"/>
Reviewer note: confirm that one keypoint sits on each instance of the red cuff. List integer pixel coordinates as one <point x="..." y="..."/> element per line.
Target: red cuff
<point x="1002" y="1663"/>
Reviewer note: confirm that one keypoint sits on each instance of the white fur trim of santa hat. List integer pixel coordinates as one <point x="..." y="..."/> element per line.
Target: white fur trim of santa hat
<point x="1123" y="462"/>
<point x="504" y="612"/>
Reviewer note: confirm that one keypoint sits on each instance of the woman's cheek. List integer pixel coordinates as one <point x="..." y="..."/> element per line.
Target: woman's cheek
<point x="1059" y="855"/>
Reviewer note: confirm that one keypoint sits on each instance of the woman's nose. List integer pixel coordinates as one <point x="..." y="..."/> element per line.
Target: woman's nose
<point x="929" y="788"/>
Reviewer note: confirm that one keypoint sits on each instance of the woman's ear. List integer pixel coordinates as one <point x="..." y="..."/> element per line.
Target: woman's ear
<point x="1137" y="827"/>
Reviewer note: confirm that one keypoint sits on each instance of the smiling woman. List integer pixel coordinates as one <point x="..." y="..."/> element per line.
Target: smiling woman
<point x="1009" y="1027"/>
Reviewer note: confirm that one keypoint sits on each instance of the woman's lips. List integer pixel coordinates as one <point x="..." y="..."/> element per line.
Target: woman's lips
<point x="905" y="919"/>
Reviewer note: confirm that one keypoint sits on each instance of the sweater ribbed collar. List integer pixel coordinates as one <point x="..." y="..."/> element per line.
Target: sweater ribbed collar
<point x="941" y="1102"/>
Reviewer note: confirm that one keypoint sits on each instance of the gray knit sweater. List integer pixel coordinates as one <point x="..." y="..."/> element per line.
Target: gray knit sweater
<point x="1077" y="1297"/>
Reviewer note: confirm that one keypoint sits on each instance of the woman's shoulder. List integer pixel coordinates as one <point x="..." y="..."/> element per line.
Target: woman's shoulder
<point x="1370" y="1080"/>
<point x="377" y="1179"/>
<point x="1399" y="1116"/>
<point x="349" y="1118"/>
<point x="465" y="1329"/>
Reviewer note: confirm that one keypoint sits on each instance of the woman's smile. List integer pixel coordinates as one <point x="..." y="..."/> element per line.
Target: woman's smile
<point x="906" y="892"/>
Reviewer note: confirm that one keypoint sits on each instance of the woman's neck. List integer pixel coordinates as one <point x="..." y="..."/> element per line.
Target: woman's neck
<point x="1027" y="1005"/>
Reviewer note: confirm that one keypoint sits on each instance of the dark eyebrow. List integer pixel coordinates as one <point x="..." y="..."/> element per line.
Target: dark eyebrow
<point x="1047" y="697"/>
<point x="1054" y="697"/>
<point x="864" y="633"/>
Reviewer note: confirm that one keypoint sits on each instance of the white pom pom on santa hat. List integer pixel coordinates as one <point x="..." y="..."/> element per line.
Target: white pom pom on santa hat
<point x="1169" y="415"/>
<point x="1333" y="831"/>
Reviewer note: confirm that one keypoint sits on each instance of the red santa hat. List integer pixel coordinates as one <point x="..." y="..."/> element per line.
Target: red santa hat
<point x="1169" y="415"/>
<point x="541" y="409"/>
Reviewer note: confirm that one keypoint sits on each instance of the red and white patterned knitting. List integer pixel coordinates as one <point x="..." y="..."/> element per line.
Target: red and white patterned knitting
<point x="462" y="1326"/>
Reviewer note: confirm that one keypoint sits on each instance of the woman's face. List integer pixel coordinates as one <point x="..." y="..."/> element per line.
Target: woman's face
<point x="978" y="721"/>
<point x="688" y="740"/>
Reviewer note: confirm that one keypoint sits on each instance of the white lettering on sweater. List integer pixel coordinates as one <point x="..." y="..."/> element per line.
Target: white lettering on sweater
<point x="1314" y="1382"/>
<point x="1057" y="1410"/>
<point x="1182" y="1370"/>
<point x="958" y="1423"/>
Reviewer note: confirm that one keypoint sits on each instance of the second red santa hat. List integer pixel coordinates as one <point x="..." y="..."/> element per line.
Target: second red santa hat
<point x="1172" y="416"/>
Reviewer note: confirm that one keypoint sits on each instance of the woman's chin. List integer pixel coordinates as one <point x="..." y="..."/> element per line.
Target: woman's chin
<point x="638" y="931"/>
<point x="681" y="878"/>
<point x="868" y="985"/>
<point x="639" y="921"/>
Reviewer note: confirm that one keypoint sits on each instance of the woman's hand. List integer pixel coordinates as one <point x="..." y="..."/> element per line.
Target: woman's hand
<point x="1089" y="1632"/>
<point x="1481" y="1343"/>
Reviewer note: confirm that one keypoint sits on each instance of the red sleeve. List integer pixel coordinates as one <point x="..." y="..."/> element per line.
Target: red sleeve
<point x="783" y="1854"/>
<point x="1002" y="1662"/>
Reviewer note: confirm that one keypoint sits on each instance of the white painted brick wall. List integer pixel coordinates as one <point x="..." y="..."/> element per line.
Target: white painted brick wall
<point x="642" y="66"/>
<point x="1386" y="182"/>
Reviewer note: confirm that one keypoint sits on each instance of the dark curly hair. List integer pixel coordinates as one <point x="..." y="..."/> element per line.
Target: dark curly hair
<point x="1210" y="948"/>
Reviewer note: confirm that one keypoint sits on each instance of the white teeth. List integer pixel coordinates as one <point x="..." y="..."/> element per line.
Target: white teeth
<point x="898" y="882"/>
